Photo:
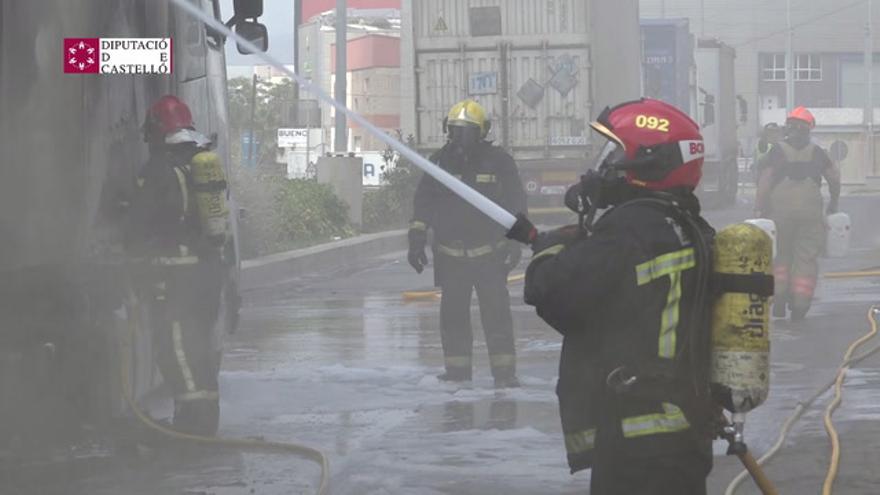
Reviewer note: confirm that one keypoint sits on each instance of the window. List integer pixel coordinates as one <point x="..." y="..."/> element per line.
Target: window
<point x="773" y="68"/>
<point x="807" y="68"/>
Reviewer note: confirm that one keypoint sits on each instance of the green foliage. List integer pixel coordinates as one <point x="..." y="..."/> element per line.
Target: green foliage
<point x="390" y="205"/>
<point x="282" y="214"/>
<point x="279" y="214"/>
<point x="271" y="99"/>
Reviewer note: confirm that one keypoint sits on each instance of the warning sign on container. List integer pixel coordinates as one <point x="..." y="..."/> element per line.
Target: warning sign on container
<point x="441" y="25"/>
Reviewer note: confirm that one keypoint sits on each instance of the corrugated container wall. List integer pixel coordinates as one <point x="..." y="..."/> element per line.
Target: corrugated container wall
<point x="526" y="61"/>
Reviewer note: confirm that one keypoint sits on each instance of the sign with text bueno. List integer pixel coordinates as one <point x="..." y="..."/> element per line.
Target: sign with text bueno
<point x="118" y="56"/>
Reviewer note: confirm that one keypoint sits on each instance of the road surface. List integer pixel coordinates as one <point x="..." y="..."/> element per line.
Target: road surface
<point x="340" y="362"/>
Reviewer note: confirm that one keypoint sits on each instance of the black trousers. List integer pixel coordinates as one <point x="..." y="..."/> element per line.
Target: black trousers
<point x="675" y="474"/>
<point x="184" y="306"/>
<point x="458" y="277"/>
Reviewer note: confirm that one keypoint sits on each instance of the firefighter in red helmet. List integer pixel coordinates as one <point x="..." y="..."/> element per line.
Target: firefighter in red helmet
<point x="177" y="234"/>
<point x="789" y="192"/>
<point x="628" y="294"/>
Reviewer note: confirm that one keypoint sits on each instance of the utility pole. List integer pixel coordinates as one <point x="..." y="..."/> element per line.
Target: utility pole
<point x="252" y="151"/>
<point x="789" y="61"/>
<point x="297" y="20"/>
<point x="341" y="137"/>
<point x="703" y="19"/>
<point x="869" y="91"/>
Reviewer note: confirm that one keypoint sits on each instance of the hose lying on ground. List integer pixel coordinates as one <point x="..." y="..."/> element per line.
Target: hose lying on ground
<point x="126" y="344"/>
<point x="803" y="406"/>
<point x="838" y="392"/>
<point x="858" y="274"/>
<point x="423" y="295"/>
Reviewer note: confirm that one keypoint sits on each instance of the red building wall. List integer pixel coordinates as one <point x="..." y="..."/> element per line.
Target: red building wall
<point x="311" y="8"/>
<point x="369" y="51"/>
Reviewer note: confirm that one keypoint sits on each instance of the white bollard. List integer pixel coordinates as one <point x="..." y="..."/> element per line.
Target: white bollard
<point x="839" y="233"/>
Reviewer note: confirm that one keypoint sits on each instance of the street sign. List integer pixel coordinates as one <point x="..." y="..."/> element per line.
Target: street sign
<point x="292" y="138"/>
<point x="483" y="83"/>
<point x="249" y="154"/>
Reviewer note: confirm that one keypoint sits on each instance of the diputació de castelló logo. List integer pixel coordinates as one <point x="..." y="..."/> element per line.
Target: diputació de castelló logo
<point x="118" y="56"/>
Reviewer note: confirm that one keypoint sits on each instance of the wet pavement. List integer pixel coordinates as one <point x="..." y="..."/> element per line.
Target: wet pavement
<point x="341" y="363"/>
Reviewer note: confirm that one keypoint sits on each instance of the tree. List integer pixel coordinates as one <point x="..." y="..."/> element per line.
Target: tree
<point x="271" y="101"/>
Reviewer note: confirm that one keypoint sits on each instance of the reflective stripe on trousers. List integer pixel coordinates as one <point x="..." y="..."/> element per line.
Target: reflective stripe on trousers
<point x="671" y="420"/>
<point x="502" y="360"/>
<point x="185" y="370"/>
<point x="458" y="362"/>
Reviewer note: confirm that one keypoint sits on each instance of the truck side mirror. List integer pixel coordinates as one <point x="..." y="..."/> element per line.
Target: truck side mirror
<point x="743" y="109"/>
<point x="248" y="9"/>
<point x="254" y="32"/>
<point x="708" y="110"/>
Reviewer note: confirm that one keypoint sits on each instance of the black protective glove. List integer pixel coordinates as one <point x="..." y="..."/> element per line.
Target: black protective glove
<point x="523" y="230"/>
<point x="416" y="256"/>
<point x="513" y="255"/>
<point x="563" y="235"/>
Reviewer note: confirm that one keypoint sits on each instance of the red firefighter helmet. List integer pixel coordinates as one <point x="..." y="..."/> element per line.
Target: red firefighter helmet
<point x="653" y="144"/>
<point x="804" y="115"/>
<point x="166" y="115"/>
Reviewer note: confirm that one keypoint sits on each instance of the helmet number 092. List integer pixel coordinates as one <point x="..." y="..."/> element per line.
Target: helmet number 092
<point x="652" y="122"/>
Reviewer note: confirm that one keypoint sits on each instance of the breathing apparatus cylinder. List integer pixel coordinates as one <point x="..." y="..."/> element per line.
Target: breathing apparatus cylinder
<point x="740" y="357"/>
<point x="209" y="186"/>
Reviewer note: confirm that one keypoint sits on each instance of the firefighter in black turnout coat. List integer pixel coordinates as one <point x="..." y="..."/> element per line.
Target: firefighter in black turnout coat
<point x="628" y="297"/>
<point x="470" y="251"/>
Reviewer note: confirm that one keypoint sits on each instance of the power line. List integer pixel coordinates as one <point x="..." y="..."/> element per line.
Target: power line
<point x="803" y="23"/>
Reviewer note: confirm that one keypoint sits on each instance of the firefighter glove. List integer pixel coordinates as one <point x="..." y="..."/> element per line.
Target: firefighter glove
<point x="523" y="230"/>
<point x="416" y="256"/>
<point x="513" y="255"/>
<point x="563" y="235"/>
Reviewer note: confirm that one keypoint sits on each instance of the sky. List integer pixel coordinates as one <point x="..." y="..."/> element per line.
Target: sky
<point x="278" y="18"/>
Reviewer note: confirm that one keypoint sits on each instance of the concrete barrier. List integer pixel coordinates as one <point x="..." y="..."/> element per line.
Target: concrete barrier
<point x="278" y="268"/>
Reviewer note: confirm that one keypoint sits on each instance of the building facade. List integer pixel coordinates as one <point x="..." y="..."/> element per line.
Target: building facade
<point x="373" y="63"/>
<point x="829" y="41"/>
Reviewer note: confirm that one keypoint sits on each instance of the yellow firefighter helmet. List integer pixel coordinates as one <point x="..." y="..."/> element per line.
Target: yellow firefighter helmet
<point x="467" y="112"/>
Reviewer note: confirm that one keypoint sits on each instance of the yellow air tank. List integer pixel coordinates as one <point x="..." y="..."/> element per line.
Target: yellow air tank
<point x="209" y="186"/>
<point x="740" y="318"/>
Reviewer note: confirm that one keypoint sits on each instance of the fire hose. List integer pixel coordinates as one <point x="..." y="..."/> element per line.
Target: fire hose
<point x="801" y="408"/>
<point x="427" y="295"/>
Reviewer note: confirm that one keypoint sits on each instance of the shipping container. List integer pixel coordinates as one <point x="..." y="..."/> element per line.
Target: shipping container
<point x="668" y="69"/>
<point x="532" y="65"/>
<point x="698" y="78"/>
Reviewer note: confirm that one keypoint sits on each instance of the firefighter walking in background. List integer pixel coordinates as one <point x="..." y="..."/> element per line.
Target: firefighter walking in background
<point x="631" y="301"/>
<point x="789" y="192"/>
<point x="470" y="250"/>
<point x="178" y="229"/>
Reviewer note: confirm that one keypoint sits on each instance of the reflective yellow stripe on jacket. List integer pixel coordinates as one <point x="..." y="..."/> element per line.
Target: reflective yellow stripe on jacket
<point x="475" y="252"/>
<point x="668" y="265"/>
<point x="580" y="442"/>
<point x="671" y="420"/>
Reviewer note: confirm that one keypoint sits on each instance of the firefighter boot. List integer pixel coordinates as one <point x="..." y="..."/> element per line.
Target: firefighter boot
<point x="197" y="417"/>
